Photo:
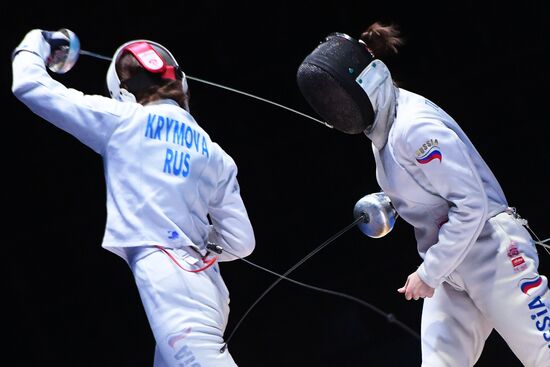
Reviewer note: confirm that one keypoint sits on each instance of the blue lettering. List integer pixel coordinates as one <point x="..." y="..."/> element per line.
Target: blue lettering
<point x="179" y="134"/>
<point x="536" y="303"/>
<point x="149" y="127"/>
<point x="169" y="123"/>
<point x="177" y="169"/>
<point x="177" y="163"/>
<point x="176" y="127"/>
<point x="543" y="325"/>
<point x="204" y="147"/>
<point x="160" y="124"/>
<point x="168" y="160"/>
<point x="187" y="165"/>
<point x="196" y="137"/>
<point x="189" y="133"/>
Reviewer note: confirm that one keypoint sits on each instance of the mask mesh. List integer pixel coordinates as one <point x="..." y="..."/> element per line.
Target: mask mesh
<point x="326" y="79"/>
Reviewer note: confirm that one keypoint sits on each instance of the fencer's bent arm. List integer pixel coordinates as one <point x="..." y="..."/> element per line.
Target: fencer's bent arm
<point x="91" y="119"/>
<point x="454" y="178"/>
<point x="230" y="220"/>
<point x="94" y="120"/>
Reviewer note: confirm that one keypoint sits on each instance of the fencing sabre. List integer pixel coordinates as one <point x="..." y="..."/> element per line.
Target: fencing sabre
<point x="66" y="57"/>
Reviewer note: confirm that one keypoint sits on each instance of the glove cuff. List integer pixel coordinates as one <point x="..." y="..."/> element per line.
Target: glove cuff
<point x="35" y="43"/>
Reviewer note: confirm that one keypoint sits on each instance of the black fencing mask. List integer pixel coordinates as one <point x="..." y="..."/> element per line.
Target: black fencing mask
<point x="330" y="80"/>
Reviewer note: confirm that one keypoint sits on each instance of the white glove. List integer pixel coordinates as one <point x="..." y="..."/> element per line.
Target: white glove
<point x="45" y="44"/>
<point x="59" y="45"/>
<point x="35" y="43"/>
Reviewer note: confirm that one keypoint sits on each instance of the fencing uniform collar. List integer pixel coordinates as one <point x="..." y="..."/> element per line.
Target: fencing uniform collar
<point x="384" y="102"/>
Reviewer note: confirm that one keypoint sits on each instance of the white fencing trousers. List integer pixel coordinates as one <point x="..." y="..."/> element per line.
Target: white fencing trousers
<point x="187" y="311"/>
<point x="497" y="286"/>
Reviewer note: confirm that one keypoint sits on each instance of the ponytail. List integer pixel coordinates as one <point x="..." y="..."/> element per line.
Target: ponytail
<point x="382" y="40"/>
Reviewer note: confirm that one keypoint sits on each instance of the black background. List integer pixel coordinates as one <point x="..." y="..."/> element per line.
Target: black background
<point x="68" y="302"/>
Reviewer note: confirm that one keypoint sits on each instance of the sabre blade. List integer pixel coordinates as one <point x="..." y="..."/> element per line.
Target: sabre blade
<point x="93" y="54"/>
<point x="101" y="57"/>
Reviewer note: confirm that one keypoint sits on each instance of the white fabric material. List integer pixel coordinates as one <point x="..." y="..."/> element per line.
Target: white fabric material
<point x="446" y="199"/>
<point x="377" y="82"/>
<point x="477" y="256"/>
<point x="164" y="176"/>
<point x="34" y="42"/>
<point x="163" y="172"/>
<point x="188" y="312"/>
<point x="456" y="323"/>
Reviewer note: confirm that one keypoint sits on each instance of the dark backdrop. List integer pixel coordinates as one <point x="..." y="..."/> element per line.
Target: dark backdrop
<point x="68" y="302"/>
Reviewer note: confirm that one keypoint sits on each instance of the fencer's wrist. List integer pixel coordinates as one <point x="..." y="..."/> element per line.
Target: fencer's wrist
<point x="35" y="43"/>
<point x="423" y="275"/>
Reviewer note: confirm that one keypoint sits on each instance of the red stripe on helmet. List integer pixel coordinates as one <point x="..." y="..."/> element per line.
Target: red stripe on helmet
<point x="147" y="57"/>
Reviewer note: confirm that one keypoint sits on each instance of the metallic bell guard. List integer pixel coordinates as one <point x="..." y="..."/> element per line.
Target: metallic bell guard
<point x="64" y="57"/>
<point x="380" y="214"/>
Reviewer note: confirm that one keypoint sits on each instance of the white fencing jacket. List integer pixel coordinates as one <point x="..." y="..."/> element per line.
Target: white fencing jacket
<point x="163" y="173"/>
<point x="437" y="182"/>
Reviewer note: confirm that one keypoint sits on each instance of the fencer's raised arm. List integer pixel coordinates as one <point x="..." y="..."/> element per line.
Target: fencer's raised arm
<point x="91" y="119"/>
<point x="232" y="227"/>
<point x="164" y="174"/>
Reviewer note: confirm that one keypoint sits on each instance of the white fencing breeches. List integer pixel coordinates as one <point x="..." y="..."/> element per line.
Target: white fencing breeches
<point x="187" y="311"/>
<point x="497" y="286"/>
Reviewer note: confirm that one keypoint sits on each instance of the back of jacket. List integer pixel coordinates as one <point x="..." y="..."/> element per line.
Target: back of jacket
<point x="163" y="173"/>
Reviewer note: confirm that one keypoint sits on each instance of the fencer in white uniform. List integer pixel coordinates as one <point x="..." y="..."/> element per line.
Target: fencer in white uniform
<point x="476" y="253"/>
<point x="165" y="178"/>
<point x="479" y="260"/>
